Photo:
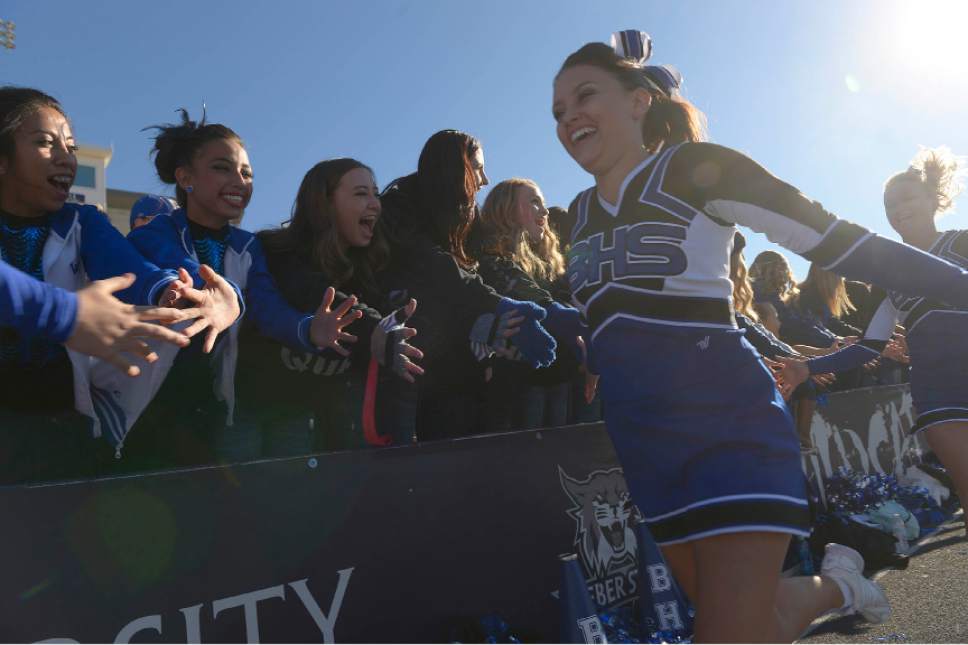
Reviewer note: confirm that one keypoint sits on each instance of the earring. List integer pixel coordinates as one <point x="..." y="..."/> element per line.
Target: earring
<point x="189" y="189"/>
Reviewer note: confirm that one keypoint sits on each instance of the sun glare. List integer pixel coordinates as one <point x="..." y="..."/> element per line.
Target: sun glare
<point x="928" y="41"/>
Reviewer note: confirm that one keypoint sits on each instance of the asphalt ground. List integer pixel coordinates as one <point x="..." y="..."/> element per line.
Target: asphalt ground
<point x="929" y="599"/>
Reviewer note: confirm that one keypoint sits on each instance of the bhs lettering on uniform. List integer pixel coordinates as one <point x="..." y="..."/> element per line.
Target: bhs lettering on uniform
<point x="643" y="250"/>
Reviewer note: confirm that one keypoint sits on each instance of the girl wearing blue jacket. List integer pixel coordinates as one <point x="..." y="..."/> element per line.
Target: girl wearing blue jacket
<point x="209" y="167"/>
<point x="50" y="396"/>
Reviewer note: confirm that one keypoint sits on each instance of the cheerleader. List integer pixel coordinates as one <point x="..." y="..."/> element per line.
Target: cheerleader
<point x="935" y="331"/>
<point x="706" y="442"/>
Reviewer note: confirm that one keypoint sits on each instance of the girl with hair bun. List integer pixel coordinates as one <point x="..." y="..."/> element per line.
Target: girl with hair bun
<point x="52" y="251"/>
<point x="707" y="444"/>
<point x="209" y="167"/>
<point x="935" y="331"/>
<point x="520" y="258"/>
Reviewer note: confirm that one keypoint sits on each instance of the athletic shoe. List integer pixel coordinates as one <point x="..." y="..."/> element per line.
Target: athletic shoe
<point x="845" y="566"/>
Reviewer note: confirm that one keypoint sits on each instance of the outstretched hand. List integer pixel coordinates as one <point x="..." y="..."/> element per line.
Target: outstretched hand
<point x="110" y="329"/>
<point x="326" y="329"/>
<point x="216" y="305"/>
<point x="792" y="371"/>
<point x="896" y="350"/>
<point x="775" y="368"/>
<point x="389" y="345"/>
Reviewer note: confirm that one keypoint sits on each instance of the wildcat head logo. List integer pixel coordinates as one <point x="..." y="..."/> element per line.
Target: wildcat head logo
<point x="605" y="517"/>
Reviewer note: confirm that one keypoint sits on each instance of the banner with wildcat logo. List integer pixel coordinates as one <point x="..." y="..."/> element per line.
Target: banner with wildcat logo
<point x="397" y="544"/>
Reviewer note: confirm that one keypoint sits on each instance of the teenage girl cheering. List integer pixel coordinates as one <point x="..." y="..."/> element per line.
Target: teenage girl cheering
<point x="50" y="395"/>
<point x="187" y="422"/>
<point x="707" y="444"/>
<point x="936" y="331"/>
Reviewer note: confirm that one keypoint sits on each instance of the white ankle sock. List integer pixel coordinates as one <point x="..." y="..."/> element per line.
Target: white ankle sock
<point x="845" y="592"/>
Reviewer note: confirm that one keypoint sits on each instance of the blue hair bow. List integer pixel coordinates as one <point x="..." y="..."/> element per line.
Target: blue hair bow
<point x="632" y="44"/>
<point x="636" y="46"/>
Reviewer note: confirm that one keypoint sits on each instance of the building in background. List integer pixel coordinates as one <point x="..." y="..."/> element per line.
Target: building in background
<point x="90" y="187"/>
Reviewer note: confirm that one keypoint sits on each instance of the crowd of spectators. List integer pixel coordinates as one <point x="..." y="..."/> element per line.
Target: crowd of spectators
<point x="368" y="318"/>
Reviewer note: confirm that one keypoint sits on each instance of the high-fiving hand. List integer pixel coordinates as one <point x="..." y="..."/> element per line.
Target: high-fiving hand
<point x="112" y="330"/>
<point x="389" y="345"/>
<point x="326" y="329"/>
<point x="215" y="305"/>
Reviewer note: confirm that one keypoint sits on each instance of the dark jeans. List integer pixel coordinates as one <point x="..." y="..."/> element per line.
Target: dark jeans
<point x="546" y="406"/>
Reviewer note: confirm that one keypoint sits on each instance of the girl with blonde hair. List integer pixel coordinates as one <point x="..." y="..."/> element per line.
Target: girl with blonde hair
<point x="935" y="330"/>
<point x="772" y="278"/>
<point x="520" y="259"/>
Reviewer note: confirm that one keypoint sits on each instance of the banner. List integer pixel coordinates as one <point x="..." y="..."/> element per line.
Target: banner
<point x="865" y="430"/>
<point x="397" y="544"/>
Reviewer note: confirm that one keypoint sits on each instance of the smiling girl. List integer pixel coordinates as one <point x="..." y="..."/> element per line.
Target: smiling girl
<point x="520" y="258"/>
<point x="333" y="240"/>
<point x="428" y="216"/>
<point x="936" y="332"/>
<point x="48" y="399"/>
<point x="209" y="167"/>
<point x="707" y="444"/>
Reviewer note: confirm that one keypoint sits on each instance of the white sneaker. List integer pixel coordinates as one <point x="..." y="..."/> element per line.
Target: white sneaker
<point x="845" y="566"/>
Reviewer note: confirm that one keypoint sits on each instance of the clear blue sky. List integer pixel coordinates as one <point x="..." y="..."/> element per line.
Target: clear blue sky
<point x="831" y="96"/>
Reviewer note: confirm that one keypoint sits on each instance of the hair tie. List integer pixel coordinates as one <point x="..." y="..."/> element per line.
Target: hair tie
<point x="632" y="45"/>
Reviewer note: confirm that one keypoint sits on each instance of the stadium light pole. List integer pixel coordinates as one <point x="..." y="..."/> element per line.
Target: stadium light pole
<point x="7" y="35"/>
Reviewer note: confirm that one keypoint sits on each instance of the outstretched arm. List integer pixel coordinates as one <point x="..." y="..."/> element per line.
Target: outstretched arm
<point x="875" y="339"/>
<point x="733" y="189"/>
<point x="91" y="321"/>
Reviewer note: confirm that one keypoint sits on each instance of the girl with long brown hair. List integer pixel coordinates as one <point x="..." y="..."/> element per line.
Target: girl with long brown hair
<point x="429" y="215"/>
<point x="333" y="240"/>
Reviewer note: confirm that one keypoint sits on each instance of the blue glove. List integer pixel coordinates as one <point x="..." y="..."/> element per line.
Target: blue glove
<point x="565" y="324"/>
<point x="564" y="321"/>
<point x="535" y="344"/>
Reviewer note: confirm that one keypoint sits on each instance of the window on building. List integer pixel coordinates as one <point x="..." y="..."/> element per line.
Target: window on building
<point x="85" y="177"/>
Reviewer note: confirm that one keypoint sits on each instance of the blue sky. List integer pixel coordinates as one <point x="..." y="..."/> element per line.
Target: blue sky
<point x="830" y="96"/>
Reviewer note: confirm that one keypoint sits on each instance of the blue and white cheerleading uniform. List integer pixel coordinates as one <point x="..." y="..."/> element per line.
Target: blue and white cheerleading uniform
<point x="936" y="338"/>
<point x="706" y="442"/>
